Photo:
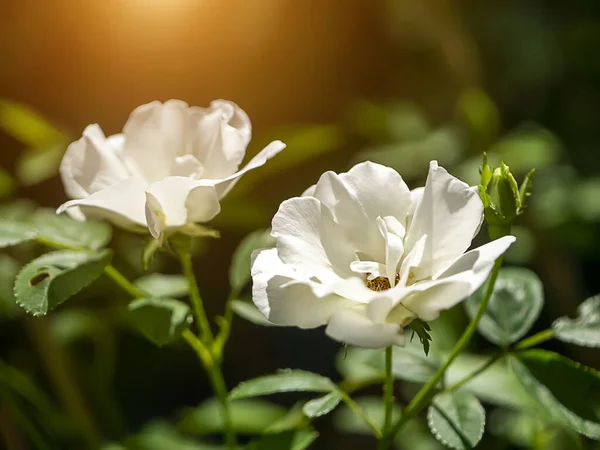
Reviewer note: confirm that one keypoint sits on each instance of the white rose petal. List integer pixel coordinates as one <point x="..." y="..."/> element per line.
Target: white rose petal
<point x="362" y="254"/>
<point x="169" y="168"/>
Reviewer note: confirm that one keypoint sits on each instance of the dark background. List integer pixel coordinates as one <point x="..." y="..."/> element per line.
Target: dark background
<point x="333" y="78"/>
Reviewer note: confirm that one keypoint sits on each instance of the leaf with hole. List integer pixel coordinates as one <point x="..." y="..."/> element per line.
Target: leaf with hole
<point x="584" y="329"/>
<point x="286" y="380"/>
<point x="565" y="390"/>
<point x="161" y="285"/>
<point x="323" y="405"/>
<point x="513" y="308"/>
<point x="161" y="320"/>
<point x="456" y="419"/>
<point x="52" y="278"/>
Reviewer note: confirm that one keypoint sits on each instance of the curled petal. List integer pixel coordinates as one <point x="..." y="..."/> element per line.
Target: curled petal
<point x="221" y="134"/>
<point x="176" y="201"/>
<point x="225" y="185"/>
<point x="121" y="203"/>
<point x="91" y="164"/>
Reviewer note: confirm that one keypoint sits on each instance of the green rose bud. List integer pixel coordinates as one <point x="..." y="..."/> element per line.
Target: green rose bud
<point x="503" y="200"/>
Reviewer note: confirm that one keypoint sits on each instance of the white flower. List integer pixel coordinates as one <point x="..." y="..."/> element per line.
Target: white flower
<point x="362" y="254"/>
<point x="168" y="169"/>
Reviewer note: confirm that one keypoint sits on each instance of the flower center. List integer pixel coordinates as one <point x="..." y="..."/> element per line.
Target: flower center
<point x="380" y="283"/>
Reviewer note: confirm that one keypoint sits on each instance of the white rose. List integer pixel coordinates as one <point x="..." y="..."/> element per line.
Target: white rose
<point x="168" y="169"/>
<point x="361" y="253"/>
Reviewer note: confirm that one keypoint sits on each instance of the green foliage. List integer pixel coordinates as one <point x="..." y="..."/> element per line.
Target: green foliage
<point x="288" y="440"/>
<point x="52" y="278"/>
<point x="248" y="311"/>
<point x="478" y="114"/>
<point x="160" y="435"/>
<point x="457" y="419"/>
<point x="239" y="270"/>
<point x="161" y="285"/>
<point x="513" y="308"/>
<point x="565" y="390"/>
<point x="322" y="405"/>
<point x="585" y="328"/>
<point x="14" y="233"/>
<point x="20" y="225"/>
<point x="62" y="230"/>
<point x="408" y="363"/>
<point x="422" y="329"/>
<point x="248" y="416"/>
<point x="161" y="320"/>
<point x="287" y="380"/>
<point x="347" y="421"/>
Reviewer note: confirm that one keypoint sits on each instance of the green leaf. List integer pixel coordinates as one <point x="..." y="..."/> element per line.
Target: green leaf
<point x="161" y="285"/>
<point x="456" y="419"/>
<point x="248" y="416"/>
<point x="161" y="320"/>
<point x="416" y="435"/>
<point x="239" y="271"/>
<point x="515" y="305"/>
<point x="497" y="385"/>
<point x="248" y="311"/>
<point x="52" y="278"/>
<point x="567" y="391"/>
<point x="345" y="420"/>
<point x="288" y="440"/>
<point x="14" y="233"/>
<point x="422" y="329"/>
<point x="323" y="405"/>
<point x="63" y="230"/>
<point x="286" y="380"/>
<point x="585" y="328"/>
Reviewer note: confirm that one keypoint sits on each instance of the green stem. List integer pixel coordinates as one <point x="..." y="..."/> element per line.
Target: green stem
<point x="360" y="413"/>
<point x="475" y="373"/>
<point x="123" y="282"/>
<point x="57" y="365"/>
<point x="534" y="340"/>
<point x="422" y="397"/>
<point x="388" y="390"/>
<point x="195" y="298"/>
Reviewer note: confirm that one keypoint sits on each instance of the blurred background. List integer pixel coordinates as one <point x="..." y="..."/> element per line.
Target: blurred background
<point x="398" y="82"/>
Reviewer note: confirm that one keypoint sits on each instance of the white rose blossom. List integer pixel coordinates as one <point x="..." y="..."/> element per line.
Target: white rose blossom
<point x="364" y="255"/>
<point x="166" y="171"/>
